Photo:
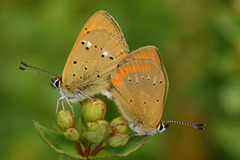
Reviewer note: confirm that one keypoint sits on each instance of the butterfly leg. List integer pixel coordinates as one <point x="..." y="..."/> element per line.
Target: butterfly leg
<point x="143" y="141"/>
<point x="141" y="134"/>
<point x="137" y="134"/>
<point x="63" y="105"/>
<point x="124" y="123"/>
<point x="83" y="94"/>
<point x="60" y="99"/>
<point x="70" y="106"/>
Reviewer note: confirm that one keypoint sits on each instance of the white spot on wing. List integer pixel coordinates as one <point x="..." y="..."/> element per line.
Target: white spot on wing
<point x="105" y="53"/>
<point x="89" y="44"/>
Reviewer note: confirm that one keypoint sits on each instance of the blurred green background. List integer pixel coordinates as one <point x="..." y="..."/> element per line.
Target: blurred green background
<point x="199" y="41"/>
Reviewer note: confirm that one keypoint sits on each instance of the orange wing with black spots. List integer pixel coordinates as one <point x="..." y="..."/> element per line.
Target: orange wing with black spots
<point x="144" y="53"/>
<point x="101" y="20"/>
<point x="139" y="91"/>
<point x="98" y="50"/>
<point x="92" y="61"/>
<point x="148" y="53"/>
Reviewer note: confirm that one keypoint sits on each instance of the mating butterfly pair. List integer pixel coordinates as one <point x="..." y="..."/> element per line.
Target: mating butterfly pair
<point x="100" y="62"/>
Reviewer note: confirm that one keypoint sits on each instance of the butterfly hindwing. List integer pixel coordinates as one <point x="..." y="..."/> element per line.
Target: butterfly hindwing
<point x="139" y="90"/>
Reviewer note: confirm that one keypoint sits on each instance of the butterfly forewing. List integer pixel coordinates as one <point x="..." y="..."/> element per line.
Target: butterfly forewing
<point x="92" y="61"/>
<point x="101" y="20"/>
<point x="139" y="90"/>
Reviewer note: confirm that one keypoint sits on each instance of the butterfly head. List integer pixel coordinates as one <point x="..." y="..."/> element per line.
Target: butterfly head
<point x="162" y="127"/>
<point x="56" y="82"/>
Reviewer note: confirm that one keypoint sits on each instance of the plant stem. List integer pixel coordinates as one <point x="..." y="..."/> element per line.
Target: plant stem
<point x="79" y="148"/>
<point x="97" y="149"/>
<point x="87" y="150"/>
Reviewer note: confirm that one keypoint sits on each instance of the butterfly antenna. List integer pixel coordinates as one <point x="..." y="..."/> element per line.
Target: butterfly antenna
<point x="39" y="70"/>
<point x="193" y="125"/>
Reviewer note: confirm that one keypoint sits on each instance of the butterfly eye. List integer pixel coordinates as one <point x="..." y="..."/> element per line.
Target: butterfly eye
<point x="57" y="83"/>
<point x="161" y="127"/>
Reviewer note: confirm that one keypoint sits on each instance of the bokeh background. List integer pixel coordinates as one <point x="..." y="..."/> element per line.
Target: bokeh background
<point x="199" y="41"/>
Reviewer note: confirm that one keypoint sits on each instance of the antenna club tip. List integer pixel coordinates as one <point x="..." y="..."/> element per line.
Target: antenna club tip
<point x="23" y="63"/>
<point x="201" y="128"/>
<point x="21" y="68"/>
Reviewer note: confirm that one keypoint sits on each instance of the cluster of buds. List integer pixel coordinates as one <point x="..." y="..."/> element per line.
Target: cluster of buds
<point x="67" y="123"/>
<point x="92" y="127"/>
<point x="118" y="138"/>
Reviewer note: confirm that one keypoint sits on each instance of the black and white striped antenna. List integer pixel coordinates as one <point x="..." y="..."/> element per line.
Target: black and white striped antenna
<point x="193" y="125"/>
<point x="37" y="70"/>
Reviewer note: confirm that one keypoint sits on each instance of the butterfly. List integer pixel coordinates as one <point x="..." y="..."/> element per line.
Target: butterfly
<point x="140" y="86"/>
<point x="97" y="51"/>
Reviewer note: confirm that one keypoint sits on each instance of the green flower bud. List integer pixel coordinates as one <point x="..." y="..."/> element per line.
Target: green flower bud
<point x="72" y="134"/>
<point x="119" y="128"/>
<point x="65" y="119"/>
<point x="93" y="125"/>
<point x="93" y="110"/>
<point x="97" y="131"/>
<point x="117" y="140"/>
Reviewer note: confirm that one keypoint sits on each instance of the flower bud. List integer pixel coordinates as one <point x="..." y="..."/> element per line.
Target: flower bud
<point x="117" y="140"/>
<point x="65" y="119"/>
<point x="93" y="110"/>
<point x="97" y="131"/>
<point x="72" y="134"/>
<point x="119" y="128"/>
<point x="94" y="125"/>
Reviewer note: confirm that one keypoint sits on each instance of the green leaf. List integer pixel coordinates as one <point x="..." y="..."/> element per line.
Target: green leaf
<point x="133" y="144"/>
<point x="57" y="141"/>
<point x="60" y="144"/>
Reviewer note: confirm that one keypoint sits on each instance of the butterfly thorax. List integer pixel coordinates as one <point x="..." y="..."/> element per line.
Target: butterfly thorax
<point x="147" y="130"/>
<point x="141" y="129"/>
